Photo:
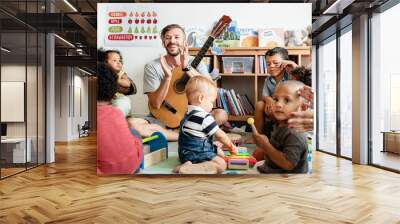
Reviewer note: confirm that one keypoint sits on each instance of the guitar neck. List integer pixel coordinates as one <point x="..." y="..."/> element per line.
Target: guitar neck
<point x="196" y="61"/>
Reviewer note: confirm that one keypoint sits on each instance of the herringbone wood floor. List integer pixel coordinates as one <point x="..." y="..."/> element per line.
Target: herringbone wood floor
<point x="70" y="192"/>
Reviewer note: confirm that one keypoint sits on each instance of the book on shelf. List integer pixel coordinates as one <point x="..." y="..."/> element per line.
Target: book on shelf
<point x="248" y="37"/>
<point x="270" y="38"/>
<point x="234" y="103"/>
<point x="230" y="104"/>
<point x="247" y="104"/>
<point x="243" y="110"/>
<point x="262" y="64"/>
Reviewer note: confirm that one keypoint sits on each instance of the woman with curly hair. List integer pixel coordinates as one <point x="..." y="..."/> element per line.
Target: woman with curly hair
<point x="118" y="150"/>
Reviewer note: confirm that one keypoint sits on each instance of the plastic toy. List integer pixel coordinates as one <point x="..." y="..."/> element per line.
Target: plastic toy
<point x="158" y="150"/>
<point x="240" y="161"/>
<point x="250" y="121"/>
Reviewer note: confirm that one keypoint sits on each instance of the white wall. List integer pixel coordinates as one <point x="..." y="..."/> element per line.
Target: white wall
<point x="33" y="126"/>
<point x="14" y="73"/>
<point x="202" y="15"/>
<point x="67" y="116"/>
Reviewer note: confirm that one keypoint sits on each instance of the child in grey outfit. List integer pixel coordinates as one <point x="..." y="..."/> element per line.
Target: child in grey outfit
<point x="286" y="150"/>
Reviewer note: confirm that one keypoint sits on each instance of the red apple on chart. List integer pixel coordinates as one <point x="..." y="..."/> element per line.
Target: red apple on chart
<point x="155" y="37"/>
<point x="148" y="21"/>
<point x="137" y="21"/>
<point x="142" y="21"/>
<point x="140" y="37"/>
<point x="150" y="37"/>
<point x="154" y="21"/>
<point x="130" y="21"/>
<point x="145" y="37"/>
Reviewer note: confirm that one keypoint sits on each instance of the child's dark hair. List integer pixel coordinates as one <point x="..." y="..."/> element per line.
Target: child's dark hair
<point x="303" y="75"/>
<point x="278" y="50"/>
<point x="102" y="54"/>
<point x="106" y="83"/>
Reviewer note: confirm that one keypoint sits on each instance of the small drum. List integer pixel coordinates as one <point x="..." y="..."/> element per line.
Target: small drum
<point x="235" y="138"/>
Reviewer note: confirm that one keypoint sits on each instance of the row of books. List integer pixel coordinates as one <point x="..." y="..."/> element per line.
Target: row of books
<point x="234" y="103"/>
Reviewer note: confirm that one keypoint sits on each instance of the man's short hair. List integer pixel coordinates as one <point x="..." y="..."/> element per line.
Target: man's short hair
<point x="170" y="27"/>
<point x="278" y="50"/>
<point x="106" y="83"/>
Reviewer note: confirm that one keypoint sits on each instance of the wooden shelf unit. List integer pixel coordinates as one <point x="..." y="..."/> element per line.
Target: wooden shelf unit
<point x="301" y="55"/>
<point x="239" y="118"/>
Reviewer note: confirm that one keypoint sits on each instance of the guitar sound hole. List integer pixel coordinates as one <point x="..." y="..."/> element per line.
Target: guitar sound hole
<point x="179" y="86"/>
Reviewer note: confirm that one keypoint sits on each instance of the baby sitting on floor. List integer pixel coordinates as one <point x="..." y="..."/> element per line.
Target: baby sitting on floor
<point x="197" y="153"/>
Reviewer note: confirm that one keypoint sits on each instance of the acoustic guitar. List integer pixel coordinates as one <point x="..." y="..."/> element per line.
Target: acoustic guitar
<point x="175" y="104"/>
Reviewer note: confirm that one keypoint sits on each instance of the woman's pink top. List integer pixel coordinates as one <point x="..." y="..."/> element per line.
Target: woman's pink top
<point x="118" y="151"/>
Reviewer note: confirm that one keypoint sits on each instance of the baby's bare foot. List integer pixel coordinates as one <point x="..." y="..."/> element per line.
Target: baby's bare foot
<point x="177" y="168"/>
<point x="199" y="168"/>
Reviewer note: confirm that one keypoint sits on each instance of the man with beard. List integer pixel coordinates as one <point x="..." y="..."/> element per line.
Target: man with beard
<point x="158" y="73"/>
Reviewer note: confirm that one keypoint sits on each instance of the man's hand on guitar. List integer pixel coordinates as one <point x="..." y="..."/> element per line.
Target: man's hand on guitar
<point x="165" y="67"/>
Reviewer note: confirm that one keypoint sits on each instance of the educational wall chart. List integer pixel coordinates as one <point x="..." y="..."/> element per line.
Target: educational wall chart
<point x="132" y="26"/>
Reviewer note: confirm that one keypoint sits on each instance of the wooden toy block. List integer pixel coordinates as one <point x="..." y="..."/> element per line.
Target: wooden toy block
<point x="155" y="157"/>
<point x="155" y="151"/>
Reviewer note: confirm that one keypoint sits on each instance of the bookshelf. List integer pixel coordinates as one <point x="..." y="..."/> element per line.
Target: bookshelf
<point x="249" y="83"/>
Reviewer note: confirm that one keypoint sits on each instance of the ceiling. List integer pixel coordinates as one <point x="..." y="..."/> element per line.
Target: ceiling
<point x="79" y="27"/>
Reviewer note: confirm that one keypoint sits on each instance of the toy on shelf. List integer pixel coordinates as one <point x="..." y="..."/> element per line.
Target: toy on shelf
<point x="156" y="151"/>
<point x="242" y="160"/>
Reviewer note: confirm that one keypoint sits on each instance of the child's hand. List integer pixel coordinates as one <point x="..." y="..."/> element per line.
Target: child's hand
<point x="269" y="106"/>
<point x="288" y="65"/>
<point x="232" y="148"/>
<point x="123" y="80"/>
<point x="218" y="144"/>
<point x="220" y="153"/>
<point x="260" y="139"/>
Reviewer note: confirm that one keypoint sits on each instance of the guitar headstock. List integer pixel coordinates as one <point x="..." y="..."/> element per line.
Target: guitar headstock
<point x="221" y="25"/>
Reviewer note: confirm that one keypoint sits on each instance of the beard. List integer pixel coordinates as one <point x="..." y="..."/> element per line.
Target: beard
<point x="173" y="52"/>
